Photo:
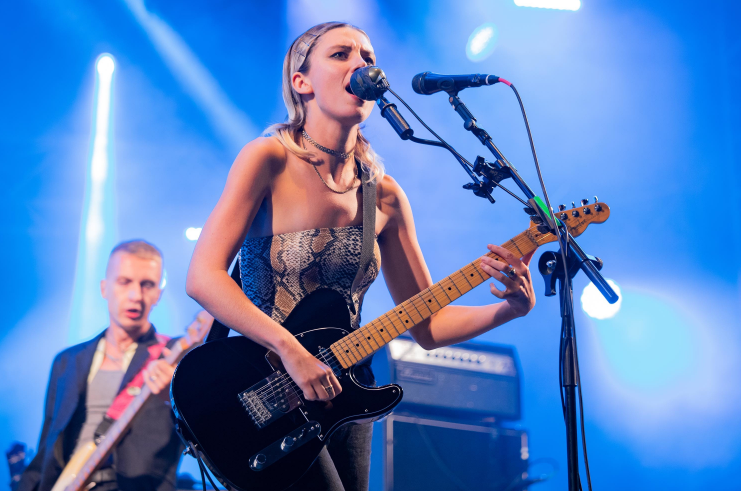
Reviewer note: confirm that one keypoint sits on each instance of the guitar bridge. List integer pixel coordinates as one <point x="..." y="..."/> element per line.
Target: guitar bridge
<point x="270" y="399"/>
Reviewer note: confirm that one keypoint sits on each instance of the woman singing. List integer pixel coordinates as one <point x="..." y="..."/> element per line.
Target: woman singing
<point x="292" y="208"/>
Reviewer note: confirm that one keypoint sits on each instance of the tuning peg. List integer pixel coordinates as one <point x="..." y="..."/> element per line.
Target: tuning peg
<point x="595" y="199"/>
<point x="584" y="202"/>
<point x="536" y="219"/>
<point x="529" y="211"/>
<point x="573" y="205"/>
<point x="543" y="229"/>
<point x="561" y="207"/>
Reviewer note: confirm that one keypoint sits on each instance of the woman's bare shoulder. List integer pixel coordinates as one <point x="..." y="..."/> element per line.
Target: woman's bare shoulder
<point x="265" y="152"/>
<point x="393" y="202"/>
<point x="390" y="193"/>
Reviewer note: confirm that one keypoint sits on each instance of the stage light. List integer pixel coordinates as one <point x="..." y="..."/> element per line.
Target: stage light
<point x="98" y="223"/>
<point x="482" y="41"/>
<point x="550" y="4"/>
<point x="192" y="233"/>
<point x="105" y="65"/>
<point x="595" y="305"/>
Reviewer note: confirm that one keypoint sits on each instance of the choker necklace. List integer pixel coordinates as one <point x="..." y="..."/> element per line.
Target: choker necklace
<point x="336" y="153"/>
<point x="352" y="185"/>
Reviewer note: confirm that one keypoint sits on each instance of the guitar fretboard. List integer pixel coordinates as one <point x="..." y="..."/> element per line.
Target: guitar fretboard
<point x="373" y="336"/>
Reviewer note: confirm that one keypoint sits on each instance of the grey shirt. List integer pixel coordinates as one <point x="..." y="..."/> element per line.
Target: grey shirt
<point x="101" y="391"/>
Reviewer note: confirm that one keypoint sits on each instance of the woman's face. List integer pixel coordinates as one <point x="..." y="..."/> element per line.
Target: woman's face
<point x="335" y="56"/>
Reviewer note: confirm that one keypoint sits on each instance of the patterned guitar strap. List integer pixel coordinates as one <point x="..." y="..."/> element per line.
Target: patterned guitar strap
<point x="132" y="389"/>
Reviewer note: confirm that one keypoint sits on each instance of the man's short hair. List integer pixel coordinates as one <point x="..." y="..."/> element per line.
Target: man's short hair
<point x="139" y="248"/>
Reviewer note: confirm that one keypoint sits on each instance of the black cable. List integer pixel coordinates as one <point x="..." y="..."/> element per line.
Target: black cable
<point x="581" y="417"/>
<point x="451" y="149"/>
<point x="568" y="293"/>
<point x="203" y="477"/>
<point x="202" y="467"/>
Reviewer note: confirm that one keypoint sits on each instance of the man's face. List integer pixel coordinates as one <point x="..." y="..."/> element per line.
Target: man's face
<point x="131" y="288"/>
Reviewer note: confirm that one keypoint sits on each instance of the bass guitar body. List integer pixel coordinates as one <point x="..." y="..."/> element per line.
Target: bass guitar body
<point x="246" y="418"/>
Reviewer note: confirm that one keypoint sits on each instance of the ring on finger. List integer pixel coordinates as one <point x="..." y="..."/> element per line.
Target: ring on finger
<point x="511" y="273"/>
<point x="328" y="389"/>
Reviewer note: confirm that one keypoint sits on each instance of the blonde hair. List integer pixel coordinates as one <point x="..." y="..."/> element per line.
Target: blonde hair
<point x="298" y="60"/>
<point x="139" y="248"/>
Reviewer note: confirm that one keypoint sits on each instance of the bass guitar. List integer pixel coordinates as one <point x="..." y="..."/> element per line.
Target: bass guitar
<point x="88" y="458"/>
<point x="247" y="419"/>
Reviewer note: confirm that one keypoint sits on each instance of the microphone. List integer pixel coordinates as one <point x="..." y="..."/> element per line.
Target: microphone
<point x="369" y="83"/>
<point x="428" y="83"/>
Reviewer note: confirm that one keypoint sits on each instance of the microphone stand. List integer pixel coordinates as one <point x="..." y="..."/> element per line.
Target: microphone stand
<point x="558" y="267"/>
<point x="554" y="267"/>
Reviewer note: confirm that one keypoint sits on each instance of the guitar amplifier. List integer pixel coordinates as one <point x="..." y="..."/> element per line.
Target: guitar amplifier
<point x="425" y="454"/>
<point x="467" y="380"/>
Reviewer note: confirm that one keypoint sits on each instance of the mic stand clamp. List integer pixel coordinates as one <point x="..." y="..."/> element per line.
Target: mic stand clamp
<point x="490" y="177"/>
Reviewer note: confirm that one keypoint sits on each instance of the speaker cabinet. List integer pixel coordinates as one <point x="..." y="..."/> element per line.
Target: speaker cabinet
<point x="427" y="454"/>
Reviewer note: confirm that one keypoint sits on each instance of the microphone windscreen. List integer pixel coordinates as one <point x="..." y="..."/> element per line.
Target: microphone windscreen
<point x="418" y="83"/>
<point x="368" y="83"/>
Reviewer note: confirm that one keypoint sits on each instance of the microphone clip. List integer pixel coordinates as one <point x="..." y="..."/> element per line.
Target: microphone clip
<point x="490" y="175"/>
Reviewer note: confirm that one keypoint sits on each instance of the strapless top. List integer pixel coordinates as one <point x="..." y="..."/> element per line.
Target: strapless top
<point x="279" y="271"/>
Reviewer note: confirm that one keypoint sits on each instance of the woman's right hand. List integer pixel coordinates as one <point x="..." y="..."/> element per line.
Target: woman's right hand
<point x="315" y="379"/>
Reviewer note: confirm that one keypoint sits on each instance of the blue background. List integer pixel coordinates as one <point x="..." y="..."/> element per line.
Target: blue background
<point x="636" y="102"/>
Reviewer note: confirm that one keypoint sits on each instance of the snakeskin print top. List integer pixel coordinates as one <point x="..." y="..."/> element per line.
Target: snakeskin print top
<point x="279" y="271"/>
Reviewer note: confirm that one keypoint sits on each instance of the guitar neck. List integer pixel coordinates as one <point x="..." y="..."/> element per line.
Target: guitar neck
<point x="373" y="336"/>
<point x="118" y="428"/>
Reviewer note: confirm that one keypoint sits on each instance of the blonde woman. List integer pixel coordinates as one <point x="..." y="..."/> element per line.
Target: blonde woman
<point x="292" y="208"/>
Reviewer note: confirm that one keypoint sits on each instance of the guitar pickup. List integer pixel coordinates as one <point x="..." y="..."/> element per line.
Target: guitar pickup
<point x="270" y="399"/>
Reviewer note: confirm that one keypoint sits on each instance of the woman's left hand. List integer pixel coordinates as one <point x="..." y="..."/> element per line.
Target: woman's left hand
<point x="514" y="274"/>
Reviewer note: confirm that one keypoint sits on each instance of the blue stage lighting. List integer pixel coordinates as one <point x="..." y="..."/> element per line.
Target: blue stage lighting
<point x="98" y="225"/>
<point x="550" y="4"/>
<point x="482" y="41"/>
<point x="649" y="344"/>
<point x="595" y="305"/>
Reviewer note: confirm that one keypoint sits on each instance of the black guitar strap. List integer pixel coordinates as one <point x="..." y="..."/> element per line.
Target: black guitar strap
<point x="367" y="249"/>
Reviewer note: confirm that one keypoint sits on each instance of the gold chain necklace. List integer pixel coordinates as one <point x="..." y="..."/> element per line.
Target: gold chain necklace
<point x="331" y="152"/>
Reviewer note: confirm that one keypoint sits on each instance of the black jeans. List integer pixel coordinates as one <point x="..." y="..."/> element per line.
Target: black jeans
<point x="344" y="464"/>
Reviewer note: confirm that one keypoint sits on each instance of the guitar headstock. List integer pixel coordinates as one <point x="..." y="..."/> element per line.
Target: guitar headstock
<point x="576" y="219"/>
<point x="199" y="328"/>
<point x="16" y="456"/>
<point x="195" y="333"/>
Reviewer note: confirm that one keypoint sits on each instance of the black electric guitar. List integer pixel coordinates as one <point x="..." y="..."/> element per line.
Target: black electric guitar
<point x="249" y="421"/>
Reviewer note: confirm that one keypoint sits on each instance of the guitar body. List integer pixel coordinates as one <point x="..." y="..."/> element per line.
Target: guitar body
<point x="250" y="453"/>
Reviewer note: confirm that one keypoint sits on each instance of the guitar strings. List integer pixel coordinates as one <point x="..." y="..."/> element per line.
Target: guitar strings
<point x="286" y="382"/>
<point x="521" y="242"/>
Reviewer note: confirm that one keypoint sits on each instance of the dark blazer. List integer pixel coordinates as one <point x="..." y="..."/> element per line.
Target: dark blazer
<point x="146" y="458"/>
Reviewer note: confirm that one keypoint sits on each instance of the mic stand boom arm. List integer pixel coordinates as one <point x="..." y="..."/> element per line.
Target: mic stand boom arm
<point x="501" y="169"/>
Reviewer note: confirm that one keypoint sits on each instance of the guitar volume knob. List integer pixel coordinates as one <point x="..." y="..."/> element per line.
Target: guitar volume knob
<point x="258" y="462"/>
<point x="287" y="444"/>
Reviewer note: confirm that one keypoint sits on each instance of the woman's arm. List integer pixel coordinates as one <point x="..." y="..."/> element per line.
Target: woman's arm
<point x="208" y="282"/>
<point x="406" y="274"/>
